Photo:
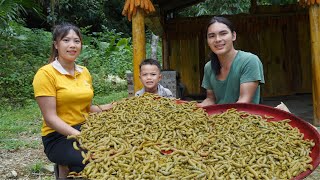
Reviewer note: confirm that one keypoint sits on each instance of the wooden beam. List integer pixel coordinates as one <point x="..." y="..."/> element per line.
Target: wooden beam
<point x="154" y="24"/>
<point x="253" y="6"/>
<point x="165" y="52"/>
<point x="314" y="16"/>
<point x="139" y="46"/>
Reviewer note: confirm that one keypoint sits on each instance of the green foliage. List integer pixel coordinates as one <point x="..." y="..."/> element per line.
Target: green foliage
<point x="93" y="13"/>
<point x="80" y="13"/>
<point x="276" y="2"/>
<point x="22" y="51"/>
<point x="107" y="56"/>
<point x="217" y="7"/>
<point x="11" y="10"/>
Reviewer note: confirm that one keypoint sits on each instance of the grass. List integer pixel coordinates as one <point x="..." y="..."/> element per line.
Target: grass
<point x="19" y="126"/>
<point x="37" y="167"/>
<point x="110" y="98"/>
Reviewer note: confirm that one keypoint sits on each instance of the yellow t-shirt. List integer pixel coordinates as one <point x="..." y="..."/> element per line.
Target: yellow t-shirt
<point x="73" y="93"/>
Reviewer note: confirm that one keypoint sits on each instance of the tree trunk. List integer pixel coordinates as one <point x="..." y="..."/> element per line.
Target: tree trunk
<point x="52" y="10"/>
<point x="154" y="46"/>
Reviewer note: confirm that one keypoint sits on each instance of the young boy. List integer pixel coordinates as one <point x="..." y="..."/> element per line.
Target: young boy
<point x="150" y="75"/>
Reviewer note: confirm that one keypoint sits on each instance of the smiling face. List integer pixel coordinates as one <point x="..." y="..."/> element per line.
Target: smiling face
<point x="220" y="38"/>
<point x="150" y="76"/>
<point x="69" y="47"/>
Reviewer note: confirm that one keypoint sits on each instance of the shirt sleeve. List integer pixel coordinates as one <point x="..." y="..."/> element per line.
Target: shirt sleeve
<point x="43" y="84"/>
<point x="206" y="76"/>
<point x="252" y="70"/>
<point x="168" y="92"/>
<point x="139" y="93"/>
<point x="89" y="77"/>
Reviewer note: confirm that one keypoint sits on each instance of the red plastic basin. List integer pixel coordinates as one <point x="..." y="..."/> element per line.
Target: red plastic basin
<point x="307" y="129"/>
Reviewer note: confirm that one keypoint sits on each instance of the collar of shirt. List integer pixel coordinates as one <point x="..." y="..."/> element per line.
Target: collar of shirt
<point x="56" y="65"/>
<point x="160" y="90"/>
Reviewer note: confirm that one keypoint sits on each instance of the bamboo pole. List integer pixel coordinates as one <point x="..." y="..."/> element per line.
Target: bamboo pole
<point x="139" y="46"/>
<point x="314" y="16"/>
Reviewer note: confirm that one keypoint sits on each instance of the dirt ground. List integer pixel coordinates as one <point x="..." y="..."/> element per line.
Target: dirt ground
<point x="17" y="164"/>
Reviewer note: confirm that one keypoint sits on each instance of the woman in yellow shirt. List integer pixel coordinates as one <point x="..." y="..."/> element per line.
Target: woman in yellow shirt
<point x="63" y="91"/>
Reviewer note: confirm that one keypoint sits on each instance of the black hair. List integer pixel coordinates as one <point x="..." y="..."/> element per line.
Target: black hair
<point x="150" y="62"/>
<point x="215" y="63"/>
<point x="59" y="32"/>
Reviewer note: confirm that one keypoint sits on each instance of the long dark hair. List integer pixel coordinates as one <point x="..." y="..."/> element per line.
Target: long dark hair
<point x="59" y="32"/>
<point x="215" y="63"/>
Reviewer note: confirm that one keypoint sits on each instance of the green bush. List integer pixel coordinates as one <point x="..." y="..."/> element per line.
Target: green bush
<point x="107" y="55"/>
<point x="107" y="52"/>
<point x="22" y="51"/>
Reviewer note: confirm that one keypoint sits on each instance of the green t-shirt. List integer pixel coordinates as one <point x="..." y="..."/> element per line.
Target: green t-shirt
<point x="246" y="67"/>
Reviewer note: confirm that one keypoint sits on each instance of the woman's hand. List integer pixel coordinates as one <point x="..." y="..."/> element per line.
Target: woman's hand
<point x="210" y="99"/>
<point x="100" y="108"/>
<point x="107" y="107"/>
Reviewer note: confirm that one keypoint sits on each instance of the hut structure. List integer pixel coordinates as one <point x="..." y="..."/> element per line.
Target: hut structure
<point x="286" y="38"/>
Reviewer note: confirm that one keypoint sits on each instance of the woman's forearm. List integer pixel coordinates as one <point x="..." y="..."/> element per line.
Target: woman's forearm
<point x="60" y="126"/>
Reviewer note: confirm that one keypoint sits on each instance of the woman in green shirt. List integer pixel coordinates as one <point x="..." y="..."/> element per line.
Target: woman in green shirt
<point x="231" y="76"/>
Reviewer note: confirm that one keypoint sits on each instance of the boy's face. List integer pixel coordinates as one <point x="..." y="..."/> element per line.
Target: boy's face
<point x="150" y="76"/>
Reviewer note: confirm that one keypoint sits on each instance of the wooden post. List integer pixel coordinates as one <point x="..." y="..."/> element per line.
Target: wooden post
<point x="165" y="52"/>
<point x="314" y="16"/>
<point x="139" y="46"/>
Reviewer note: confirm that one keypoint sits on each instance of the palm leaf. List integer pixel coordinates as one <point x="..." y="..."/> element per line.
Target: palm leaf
<point x="12" y="10"/>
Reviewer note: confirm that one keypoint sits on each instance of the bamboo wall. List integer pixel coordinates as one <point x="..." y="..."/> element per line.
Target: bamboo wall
<point x="280" y="39"/>
<point x="187" y="62"/>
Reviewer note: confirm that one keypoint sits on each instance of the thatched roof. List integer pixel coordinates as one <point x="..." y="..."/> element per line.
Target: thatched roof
<point x="309" y="2"/>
